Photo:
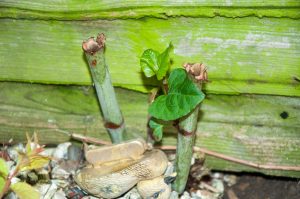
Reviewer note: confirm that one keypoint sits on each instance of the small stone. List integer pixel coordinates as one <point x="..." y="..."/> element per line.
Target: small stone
<point x="32" y="178"/>
<point x="218" y="185"/>
<point x="199" y="156"/>
<point x="75" y="153"/>
<point x="171" y="157"/>
<point x="43" y="175"/>
<point x="59" y="195"/>
<point x="89" y="197"/>
<point x="230" y="179"/>
<point x="185" y="195"/>
<point x="47" y="191"/>
<point x="195" y="195"/>
<point x="10" y="165"/>
<point x="193" y="161"/>
<point x="60" y="154"/>
<point x="15" y="180"/>
<point x="61" y="183"/>
<point x="11" y="195"/>
<point x="204" y="194"/>
<point x="174" y="195"/>
<point x="132" y="194"/>
<point x="13" y="151"/>
<point x="59" y="173"/>
<point x="48" y="152"/>
<point x="170" y="169"/>
<point x="217" y="175"/>
<point x="61" y="151"/>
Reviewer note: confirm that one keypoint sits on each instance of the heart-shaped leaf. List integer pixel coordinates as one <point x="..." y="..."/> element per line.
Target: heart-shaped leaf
<point x="157" y="129"/>
<point x="182" y="98"/>
<point x="154" y="63"/>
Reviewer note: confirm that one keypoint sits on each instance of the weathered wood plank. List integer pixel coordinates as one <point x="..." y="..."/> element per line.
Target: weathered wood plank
<point x="81" y="10"/>
<point x="94" y="5"/>
<point x="258" y="128"/>
<point x="244" y="55"/>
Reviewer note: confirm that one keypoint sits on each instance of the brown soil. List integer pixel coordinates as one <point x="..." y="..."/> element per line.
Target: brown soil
<point x="254" y="186"/>
<point x="251" y="186"/>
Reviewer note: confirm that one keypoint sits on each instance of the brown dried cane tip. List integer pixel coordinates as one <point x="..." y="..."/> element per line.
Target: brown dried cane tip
<point x="197" y="70"/>
<point x="101" y="39"/>
<point x="91" y="46"/>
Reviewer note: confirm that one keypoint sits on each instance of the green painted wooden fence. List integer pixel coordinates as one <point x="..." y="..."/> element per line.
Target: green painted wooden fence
<point x="251" y="48"/>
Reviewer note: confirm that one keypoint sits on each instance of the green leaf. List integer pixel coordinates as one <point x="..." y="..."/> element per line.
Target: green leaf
<point x="28" y="144"/>
<point x="3" y="173"/>
<point x="182" y="98"/>
<point x="25" y="191"/>
<point x="3" y="169"/>
<point x="35" y="162"/>
<point x="149" y="62"/>
<point x="164" y="62"/>
<point x="153" y="63"/>
<point x="2" y="183"/>
<point x="157" y="130"/>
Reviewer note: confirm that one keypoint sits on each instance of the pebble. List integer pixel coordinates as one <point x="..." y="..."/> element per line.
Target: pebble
<point x="59" y="195"/>
<point x="192" y="160"/>
<point x="204" y="194"/>
<point x="47" y="191"/>
<point x="218" y="185"/>
<point x="185" y="195"/>
<point x="230" y="179"/>
<point x="15" y="180"/>
<point x="59" y="173"/>
<point x="43" y="175"/>
<point x="32" y="178"/>
<point x="13" y="151"/>
<point x="48" y="152"/>
<point x="217" y="175"/>
<point x="171" y="157"/>
<point x="61" y="151"/>
<point x="170" y="169"/>
<point x="174" y="195"/>
<point x="89" y="197"/>
<point x="61" y="183"/>
<point x="11" y="165"/>
<point x="75" y="153"/>
<point x="132" y="194"/>
<point x="11" y="195"/>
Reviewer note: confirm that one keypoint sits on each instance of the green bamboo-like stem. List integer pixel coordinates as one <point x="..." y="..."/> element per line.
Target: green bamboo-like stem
<point x="186" y="137"/>
<point x="187" y="127"/>
<point x="114" y="123"/>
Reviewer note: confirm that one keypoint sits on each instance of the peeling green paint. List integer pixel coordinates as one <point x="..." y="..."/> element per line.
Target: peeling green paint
<point x="80" y="10"/>
<point x="243" y="55"/>
<point x="156" y="12"/>
<point x="247" y="127"/>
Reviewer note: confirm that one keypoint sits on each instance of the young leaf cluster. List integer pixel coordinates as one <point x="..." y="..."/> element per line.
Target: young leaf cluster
<point x="155" y="63"/>
<point x="27" y="160"/>
<point x="182" y="96"/>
